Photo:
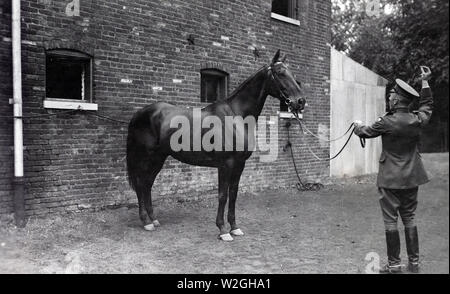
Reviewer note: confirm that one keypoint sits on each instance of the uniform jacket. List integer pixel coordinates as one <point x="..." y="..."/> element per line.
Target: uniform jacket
<point x="401" y="165"/>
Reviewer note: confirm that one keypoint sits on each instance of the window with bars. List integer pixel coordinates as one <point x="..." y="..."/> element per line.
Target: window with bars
<point x="68" y="75"/>
<point x="287" y="8"/>
<point x="214" y="85"/>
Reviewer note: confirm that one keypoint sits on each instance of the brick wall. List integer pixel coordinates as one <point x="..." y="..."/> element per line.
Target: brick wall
<point x="74" y="161"/>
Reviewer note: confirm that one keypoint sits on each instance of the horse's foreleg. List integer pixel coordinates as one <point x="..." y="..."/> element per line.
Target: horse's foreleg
<point x="233" y="191"/>
<point x="224" y="182"/>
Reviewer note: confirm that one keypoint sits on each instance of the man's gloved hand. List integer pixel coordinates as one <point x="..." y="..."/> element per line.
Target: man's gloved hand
<point x="357" y="122"/>
<point x="425" y="73"/>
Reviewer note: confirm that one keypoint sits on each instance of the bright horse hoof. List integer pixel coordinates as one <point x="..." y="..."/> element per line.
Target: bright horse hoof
<point x="156" y="223"/>
<point x="237" y="232"/>
<point x="226" y="237"/>
<point x="149" y="227"/>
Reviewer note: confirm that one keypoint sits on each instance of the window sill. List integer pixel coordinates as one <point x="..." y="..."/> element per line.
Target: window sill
<point x="285" y="19"/>
<point x="69" y="104"/>
<point x="284" y="114"/>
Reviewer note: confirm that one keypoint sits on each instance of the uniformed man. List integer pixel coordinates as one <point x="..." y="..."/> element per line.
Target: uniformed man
<point x="401" y="170"/>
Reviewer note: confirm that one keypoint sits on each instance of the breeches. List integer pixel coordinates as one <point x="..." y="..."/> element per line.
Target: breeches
<point x="398" y="201"/>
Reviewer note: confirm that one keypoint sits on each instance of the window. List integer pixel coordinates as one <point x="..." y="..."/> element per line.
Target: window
<point x="286" y="10"/>
<point x="214" y="85"/>
<point x="68" y="75"/>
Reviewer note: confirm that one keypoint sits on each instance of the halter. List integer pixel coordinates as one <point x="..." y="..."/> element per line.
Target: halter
<point x="277" y="83"/>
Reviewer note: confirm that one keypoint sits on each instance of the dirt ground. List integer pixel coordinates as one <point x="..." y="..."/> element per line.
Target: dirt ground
<point x="330" y="231"/>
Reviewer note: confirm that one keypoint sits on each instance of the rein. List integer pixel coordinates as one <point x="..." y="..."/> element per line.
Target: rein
<point x="316" y="186"/>
<point x="288" y="102"/>
<point x="351" y="127"/>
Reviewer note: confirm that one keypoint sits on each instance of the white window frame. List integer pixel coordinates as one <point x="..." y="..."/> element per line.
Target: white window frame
<point x="289" y="115"/>
<point x="64" y="103"/>
<point x="285" y="18"/>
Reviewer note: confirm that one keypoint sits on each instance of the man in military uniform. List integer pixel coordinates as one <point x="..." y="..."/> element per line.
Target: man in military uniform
<point x="401" y="170"/>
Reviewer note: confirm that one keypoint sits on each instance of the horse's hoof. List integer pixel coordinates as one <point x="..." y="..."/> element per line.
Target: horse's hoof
<point x="226" y="237"/>
<point x="156" y="223"/>
<point x="149" y="227"/>
<point x="237" y="232"/>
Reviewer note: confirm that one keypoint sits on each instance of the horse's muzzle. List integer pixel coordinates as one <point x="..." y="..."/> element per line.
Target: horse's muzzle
<point x="299" y="104"/>
<point x="302" y="103"/>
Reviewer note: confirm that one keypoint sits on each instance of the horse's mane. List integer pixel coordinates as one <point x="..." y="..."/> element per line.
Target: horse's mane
<point x="239" y="88"/>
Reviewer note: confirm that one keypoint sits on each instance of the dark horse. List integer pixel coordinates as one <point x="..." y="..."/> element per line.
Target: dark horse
<point x="150" y="131"/>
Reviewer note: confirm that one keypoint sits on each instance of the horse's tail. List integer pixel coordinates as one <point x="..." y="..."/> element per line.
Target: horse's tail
<point x="132" y="157"/>
<point x="137" y="154"/>
<point x="141" y="140"/>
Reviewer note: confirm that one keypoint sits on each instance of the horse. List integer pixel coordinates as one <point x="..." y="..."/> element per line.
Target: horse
<point x="150" y="132"/>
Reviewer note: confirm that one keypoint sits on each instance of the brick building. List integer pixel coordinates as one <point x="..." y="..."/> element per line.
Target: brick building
<point x="126" y="54"/>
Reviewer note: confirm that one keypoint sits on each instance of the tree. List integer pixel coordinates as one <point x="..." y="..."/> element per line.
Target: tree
<point x="420" y="30"/>
<point x="414" y="33"/>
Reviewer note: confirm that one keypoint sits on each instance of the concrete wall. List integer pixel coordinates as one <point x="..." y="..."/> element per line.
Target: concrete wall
<point x="356" y="93"/>
<point x="74" y="161"/>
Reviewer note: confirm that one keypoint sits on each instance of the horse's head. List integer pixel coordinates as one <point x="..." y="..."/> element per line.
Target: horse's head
<point x="284" y="86"/>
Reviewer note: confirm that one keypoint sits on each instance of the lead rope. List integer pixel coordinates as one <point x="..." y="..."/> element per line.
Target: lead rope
<point x="352" y="128"/>
<point x="300" y="185"/>
<point x="316" y="186"/>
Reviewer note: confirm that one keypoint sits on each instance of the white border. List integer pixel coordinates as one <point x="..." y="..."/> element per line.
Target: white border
<point x="69" y="104"/>
<point x="285" y="18"/>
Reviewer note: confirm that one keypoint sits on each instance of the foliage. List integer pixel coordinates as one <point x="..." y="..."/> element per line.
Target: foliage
<point x="414" y="33"/>
<point x="396" y="44"/>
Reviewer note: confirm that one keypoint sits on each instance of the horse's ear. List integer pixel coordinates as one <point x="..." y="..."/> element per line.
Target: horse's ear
<point x="276" y="57"/>
<point x="284" y="58"/>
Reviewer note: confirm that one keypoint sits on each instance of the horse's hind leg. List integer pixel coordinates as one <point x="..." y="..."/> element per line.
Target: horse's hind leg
<point x="141" y="191"/>
<point x="233" y="191"/>
<point x="154" y="169"/>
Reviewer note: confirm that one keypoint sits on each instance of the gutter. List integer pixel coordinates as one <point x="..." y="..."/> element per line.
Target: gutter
<point x="18" y="181"/>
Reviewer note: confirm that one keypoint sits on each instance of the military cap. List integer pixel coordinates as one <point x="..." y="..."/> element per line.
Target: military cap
<point x="405" y="90"/>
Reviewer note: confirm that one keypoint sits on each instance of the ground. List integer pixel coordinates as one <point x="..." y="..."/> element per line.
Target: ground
<point x="329" y="231"/>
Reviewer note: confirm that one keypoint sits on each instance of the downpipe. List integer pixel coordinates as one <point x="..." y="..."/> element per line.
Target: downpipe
<point x="18" y="181"/>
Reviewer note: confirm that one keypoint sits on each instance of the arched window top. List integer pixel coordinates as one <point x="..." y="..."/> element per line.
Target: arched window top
<point x="214" y="84"/>
<point x="69" y="75"/>
<point x="214" y="71"/>
<point x="68" y="53"/>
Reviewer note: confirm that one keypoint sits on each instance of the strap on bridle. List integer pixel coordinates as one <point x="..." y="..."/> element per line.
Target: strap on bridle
<point x="277" y="83"/>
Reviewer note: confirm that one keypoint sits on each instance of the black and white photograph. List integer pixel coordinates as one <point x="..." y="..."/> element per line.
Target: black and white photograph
<point x="223" y="142"/>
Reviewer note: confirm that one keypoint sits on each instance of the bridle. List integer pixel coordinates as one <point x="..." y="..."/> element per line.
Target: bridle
<point x="277" y="83"/>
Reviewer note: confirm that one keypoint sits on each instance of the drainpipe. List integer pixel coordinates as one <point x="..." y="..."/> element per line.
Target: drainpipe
<point x="18" y="182"/>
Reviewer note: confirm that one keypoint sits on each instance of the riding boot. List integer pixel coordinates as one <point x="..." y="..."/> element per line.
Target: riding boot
<point x="412" y="247"/>
<point x="393" y="253"/>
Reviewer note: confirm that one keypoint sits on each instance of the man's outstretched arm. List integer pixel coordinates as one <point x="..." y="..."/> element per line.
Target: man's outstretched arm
<point x="378" y="128"/>
<point x="426" y="98"/>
